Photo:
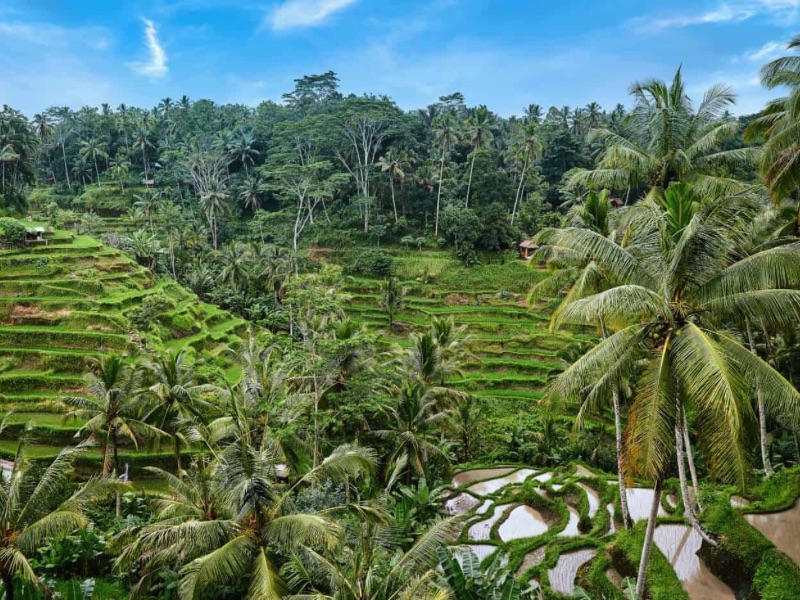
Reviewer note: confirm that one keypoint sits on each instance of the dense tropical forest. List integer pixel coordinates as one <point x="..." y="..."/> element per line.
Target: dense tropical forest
<point x="329" y="348"/>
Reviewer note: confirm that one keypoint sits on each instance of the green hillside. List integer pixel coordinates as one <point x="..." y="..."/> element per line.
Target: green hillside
<point x="71" y="299"/>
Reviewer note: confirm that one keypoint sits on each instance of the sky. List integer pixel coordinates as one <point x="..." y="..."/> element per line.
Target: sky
<point x="502" y="53"/>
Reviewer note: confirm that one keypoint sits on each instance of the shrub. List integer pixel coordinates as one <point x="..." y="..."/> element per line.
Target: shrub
<point x="145" y="315"/>
<point x="372" y="262"/>
<point x="12" y="232"/>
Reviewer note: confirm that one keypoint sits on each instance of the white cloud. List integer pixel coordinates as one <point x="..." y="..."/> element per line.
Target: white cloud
<point x="767" y="52"/>
<point x="294" y="14"/>
<point x="157" y="65"/>
<point x="725" y="12"/>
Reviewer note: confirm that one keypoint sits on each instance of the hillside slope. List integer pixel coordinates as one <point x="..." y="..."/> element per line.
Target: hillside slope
<point x="73" y="299"/>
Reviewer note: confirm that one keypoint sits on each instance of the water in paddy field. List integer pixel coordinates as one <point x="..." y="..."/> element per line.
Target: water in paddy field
<point x="531" y="560"/>
<point x="782" y="529"/>
<point x="592" y="496"/>
<point x="482" y="529"/>
<point x="562" y="577"/>
<point x="466" y="477"/>
<point x="522" y="522"/>
<point x="680" y="543"/>
<point x="582" y="471"/>
<point x="491" y="486"/>
<point x="481" y="510"/>
<point x="611" y="526"/>
<point x="739" y="502"/>
<point x="640" y="500"/>
<point x="571" y="530"/>
<point x="461" y="504"/>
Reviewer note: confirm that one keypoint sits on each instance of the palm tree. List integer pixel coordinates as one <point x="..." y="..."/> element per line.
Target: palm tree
<point x="241" y="149"/>
<point x="91" y="148"/>
<point x="62" y="135"/>
<point x="250" y="193"/>
<point x="175" y="399"/>
<point x="778" y="125"/>
<point x="666" y="140"/>
<point x="164" y="106"/>
<point x="35" y="510"/>
<point x="148" y="202"/>
<point x="533" y="114"/>
<point x="235" y="259"/>
<point x="392" y="298"/>
<point x="479" y="134"/>
<point x="676" y="284"/>
<point x="445" y="138"/>
<point x="391" y="163"/>
<point x="372" y="564"/>
<point x="231" y="524"/>
<point x="142" y="142"/>
<point x="7" y="155"/>
<point x="214" y="203"/>
<point x="119" y="168"/>
<point x="112" y="408"/>
<point x="416" y="421"/>
<point x="528" y="146"/>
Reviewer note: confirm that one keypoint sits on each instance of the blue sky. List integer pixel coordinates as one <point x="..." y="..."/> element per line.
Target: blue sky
<point x="503" y="53"/>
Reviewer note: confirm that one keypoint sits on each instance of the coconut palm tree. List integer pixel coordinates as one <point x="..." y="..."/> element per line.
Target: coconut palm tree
<point x="241" y="149"/>
<point x="666" y="140"/>
<point x="62" y="134"/>
<point x="778" y="126"/>
<point x="232" y="523"/>
<point x="250" y="193"/>
<point x="175" y="400"/>
<point x="372" y="564"/>
<point x="214" y="203"/>
<point x="37" y="508"/>
<point x="142" y="142"/>
<point x="528" y="146"/>
<point x="416" y="422"/>
<point x="391" y="163"/>
<point x="119" y="169"/>
<point x="111" y="409"/>
<point x="445" y="133"/>
<point x="7" y="155"/>
<point x="479" y="134"/>
<point x="91" y="149"/>
<point x="148" y="202"/>
<point x="235" y="258"/>
<point x="392" y="298"/>
<point x="674" y="287"/>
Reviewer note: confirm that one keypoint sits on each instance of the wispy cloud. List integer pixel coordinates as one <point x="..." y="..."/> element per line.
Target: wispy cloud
<point x="294" y="14"/>
<point x="725" y="12"/>
<point x="767" y="52"/>
<point x="157" y="65"/>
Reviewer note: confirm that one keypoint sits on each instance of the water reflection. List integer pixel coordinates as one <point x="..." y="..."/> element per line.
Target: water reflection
<point x="522" y="522"/>
<point x="489" y="487"/>
<point x="466" y="477"/>
<point x="562" y="577"/>
<point x="782" y="529"/>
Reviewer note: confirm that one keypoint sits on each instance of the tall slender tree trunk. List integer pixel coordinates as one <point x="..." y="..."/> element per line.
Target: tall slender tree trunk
<point x="623" y="494"/>
<point x="690" y="459"/>
<point x="438" y="198"/>
<point x="394" y="204"/>
<point x="66" y="169"/>
<point x="144" y="161"/>
<point x="688" y="503"/>
<point x="469" y="184"/>
<point x="8" y="584"/>
<point x="519" y="189"/>
<point x="762" y="417"/>
<point x="641" y="578"/>
<point x="97" y="172"/>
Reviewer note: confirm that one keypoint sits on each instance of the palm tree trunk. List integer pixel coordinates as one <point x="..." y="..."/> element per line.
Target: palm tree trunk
<point x="623" y="495"/>
<point x="438" y="198"/>
<point x="8" y="584"/>
<point x="177" y="449"/>
<point x="97" y="172"/>
<point x="762" y="417"/>
<point x="641" y="578"/>
<point x="394" y="205"/>
<point x="144" y="161"/>
<point x="519" y="188"/>
<point x="688" y="502"/>
<point x="469" y="185"/>
<point x="690" y="460"/>
<point x="66" y="168"/>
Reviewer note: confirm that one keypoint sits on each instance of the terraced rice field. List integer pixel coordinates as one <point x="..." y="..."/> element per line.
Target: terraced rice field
<point x="71" y="300"/>
<point x="546" y="526"/>
<point x="514" y="352"/>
